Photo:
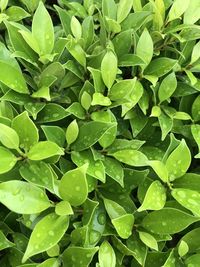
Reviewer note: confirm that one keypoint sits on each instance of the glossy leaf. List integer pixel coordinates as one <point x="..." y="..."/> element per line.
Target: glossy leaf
<point x="190" y="199"/>
<point x="15" y="79"/>
<point x="148" y="240"/>
<point x="131" y="157"/>
<point x="167" y="87"/>
<point x="8" y="160"/>
<point x="160" y="66"/>
<point x="42" y="30"/>
<point x="50" y="229"/>
<point x="155" y="197"/>
<point x="26" y="130"/>
<point x="106" y="255"/>
<point x="43" y="150"/>
<point x="168" y="221"/>
<point x="72" y="132"/>
<point x="123" y="9"/>
<point x="22" y="197"/>
<point x="9" y="137"/>
<point x="109" y="68"/>
<point x="73" y="186"/>
<point x="177" y="9"/>
<point x="178" y="161"/>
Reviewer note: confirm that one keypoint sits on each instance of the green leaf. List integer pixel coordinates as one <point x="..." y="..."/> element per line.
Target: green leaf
<point x="177" y="9"/>
<point x="55" y="134"/>
<point x="38" y="173"/>
<point x="183" y="248"/>
<point x="99" y="99"/>
<point x="73" y="186"/>
<point x="42" y="30"/>
<point x="90" y="133"/>
<point x="193" y="260"/>
<point x="72" y="132"/>
<point x="50" y="229"/>
<point x="8" y="64"/>
<point x="26" y="130"/>
<point x="196" y="109"/>
<point x="155" y="197"/>
<point x="43" y="150"/>
<point x="167" y="221"/>
<point x="63" y="208"/>
<point x="178" y="161"/>
<point x="167" y="87"/>
<point x="95" y="168"/>
<point x="76" y="27"/>
<point x="106" y="255"/>
<point x="160" y="66"/>
<point x="109" y="68"/>
<point x="131" y="157"/>
<point x="9" y="137"/>
<point x="189" y="181"/>
<point x="53" y="262"/>
<point x="8" y="160"/>
<point x="122" y="89"/>
<point x="189" y="199"/>
<point x="166" y="124"/>
<point x="78" y="256"/>
<point x="16" y="13"/>
<point x="114" y="169"/>
<point x="4" y="242"/>
<point x="123" y="9"/>
<point x="160" y="169"/>
<point x="191" y="14"/>
<point x="148" y="240"/>
<point x="145" y="47"/>
<point x="22" y="197"/>
<point x="195" y="53"/>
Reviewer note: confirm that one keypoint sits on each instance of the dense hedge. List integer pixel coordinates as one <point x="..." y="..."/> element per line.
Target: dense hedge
<point x="99" y="133"/>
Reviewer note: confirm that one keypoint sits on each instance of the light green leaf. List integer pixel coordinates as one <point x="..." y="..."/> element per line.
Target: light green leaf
<point x="73" y="186"/>
<point x="177" y="9"/>
<point x="63" y="208"/>
<point x="8" y="160"/>
<point x="189" y="199"/>
<point x="106" y="255"/>
<point x="195" y="53"/>
<point x="38" y="173"/>
<point x="122" y="89"/>
<point x="160" y="169"/>
<point x="49" y="230"/>
<point x="148" y="240"/>
<point x="160" y="66"/>
<point x="178" y="161"/>
<point x="183" y="248"/>
<point x="195" y="129"/>
<point x="193" y="260"/>
<point x="113" y="209"/>
<point x="86" y="100"/>
<point x="30" y="40"/>
<point x="166" y="124"/>
<point x="76" y="27"/>
<point x="26" y="130"/>
<point x="167" y="221"/>
<point x="123" y="9"/>
<point x="131" y="157"/>
<point x="167" y="87"/>
<point x="109" y="68"/>
<point x="42" y="30"/>
<point x="100" y="99"/>
<point x="9" y="137"/>
<point x="43" y="150"/>
<point x="22" y="197"/>
<point x="124" y="225"/>
<point x="53" y="262"/>
<point x="8" y="64"/>
<point x="145" y="47"/>
<point x="72" y="132"/>
<point x="78" y="256"/>
<point x="191" y="14"/>
<point x="114" y="169"/>
<point x="196" y="109"/>
<point x="90" y="133"/>
<point x="155" y="197"/>
<point x="95" y="168"/>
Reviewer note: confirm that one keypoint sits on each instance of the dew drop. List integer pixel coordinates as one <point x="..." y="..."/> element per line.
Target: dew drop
<point x="77" y="188"/>
<point x="181" y="194"/>
<point x="51" y="233"/>
<point x="101" y="218"/>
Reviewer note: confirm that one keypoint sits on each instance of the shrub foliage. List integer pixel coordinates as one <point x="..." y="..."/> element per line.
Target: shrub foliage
<point x="99" y="133"/>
